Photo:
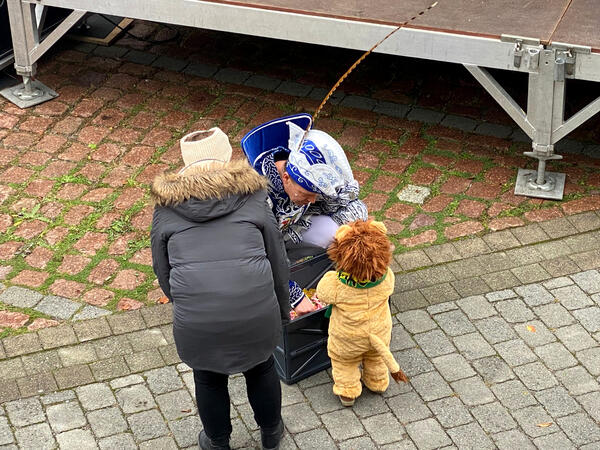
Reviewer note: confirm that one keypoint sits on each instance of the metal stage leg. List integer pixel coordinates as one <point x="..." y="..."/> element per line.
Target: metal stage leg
<point x="544" y="120"/>
<point x="25" y="25"/>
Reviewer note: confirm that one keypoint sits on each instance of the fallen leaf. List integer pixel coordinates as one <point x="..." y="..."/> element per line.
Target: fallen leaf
<point x="186" y="410"/>
<point x="164" y="299"/>
<point x="125" y="307"/>
<point x="544" y="424"/>
<point x="531" y="328"/>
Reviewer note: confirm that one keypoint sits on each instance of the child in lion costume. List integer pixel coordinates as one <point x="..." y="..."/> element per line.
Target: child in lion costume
<point x="360" y="329"/>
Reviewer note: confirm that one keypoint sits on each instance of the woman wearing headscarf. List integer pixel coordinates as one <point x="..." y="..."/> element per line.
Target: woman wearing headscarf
<point x="312" y="192"/>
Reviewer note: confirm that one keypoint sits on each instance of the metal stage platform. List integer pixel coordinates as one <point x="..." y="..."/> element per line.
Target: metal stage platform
<point x="551" y="40"/>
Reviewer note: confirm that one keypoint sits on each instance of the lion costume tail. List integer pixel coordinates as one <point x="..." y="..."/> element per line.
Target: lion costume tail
<point x="383" y="350"/>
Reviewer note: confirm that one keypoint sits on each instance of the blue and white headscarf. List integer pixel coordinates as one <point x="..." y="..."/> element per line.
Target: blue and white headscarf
<point x="318" y="163"/>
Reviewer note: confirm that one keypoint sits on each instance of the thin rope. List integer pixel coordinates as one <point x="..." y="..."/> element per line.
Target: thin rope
<point x="358" y="61"/>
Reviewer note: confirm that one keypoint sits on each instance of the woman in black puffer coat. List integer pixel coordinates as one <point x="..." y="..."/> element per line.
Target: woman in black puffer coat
<point x="220" y="258"/>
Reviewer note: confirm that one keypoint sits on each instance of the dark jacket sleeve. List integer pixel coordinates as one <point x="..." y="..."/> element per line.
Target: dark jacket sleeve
<point x="277" y="256"/>
<point x="160" y="256"/>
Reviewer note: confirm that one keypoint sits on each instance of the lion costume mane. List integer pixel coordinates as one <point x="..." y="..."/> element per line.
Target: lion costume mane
<point x="360" y="329"/>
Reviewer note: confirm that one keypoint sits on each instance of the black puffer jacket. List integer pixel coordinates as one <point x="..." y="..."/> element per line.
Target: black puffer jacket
<point x="220" y="258"/>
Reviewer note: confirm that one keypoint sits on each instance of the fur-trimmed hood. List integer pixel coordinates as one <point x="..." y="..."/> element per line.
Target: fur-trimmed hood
<point x="201" y="194"/>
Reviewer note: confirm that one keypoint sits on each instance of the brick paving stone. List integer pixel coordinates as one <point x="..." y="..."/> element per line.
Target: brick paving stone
<point x="12" y="319"/>
<point x="514" y="310"/>
<point x="58" y="307"/>
<point x="513" y="394"/>
<point x="6" y="435"/>
<point x="146" y="339"/>
<point x="535" y="376"/>
<point x="591" y="403"/>
<point x="299" y="418"/>
<point x="554" y="315"/>
<point x="431" y="386"/>
<point x="107" y="421"/>
<point x="450" y="412"/>
<point x="580" y="428"/>
<point x="35" y="436"/>
<point x="321" y="399"/>
<point x="589" y="318"/>
<point x="75" y="355"/>
<point x="454" y="323"/>
<point x="95" y="396"/>
<point x="529" y="418"/>
<point x="434" y="343"/>
<point x="453" y="366"/>
<point x="476" y="307"/>
<point x="145" y="360"/>
<point x="557" y="401"/>
<point x="109" y="368"/>
<point x="577" y="380"/>
<point x="575" y="337"/>
<point x="359" y="443"/>
<point x="126" y="322"/>
<point x="493" y="417"/>
<point x="135" y="398"/>
<point x="534" y="294"/>
<point x="556" y="356"/>
<point x="176" y="405"/>
<point x="500" y="295"/>
<point x="185" y="430"/>
<point x="163" y="380"/>
<point x="555" y="440"/>
<point x="76" y="439"/>
<point x="41" y="362"/>
<point x="558" y="283"/>
<point x="534" y="333"/>
<point x="128" y="380"/>
<point x="413" y="361"/>
<point x="65" y="416"/>
<point x="73" y="264"/>
<point x="473" y="346"/>
<point x="416" y="321"/>
<point x="495" y="329"/>
<point x="383" y="428"/>
<point x="509" y="440"/>
<point x="572" y="297"/>
<point x="369" y="404"/>
<point x="90" y="312"/>
<point x="24" y="412"/>
<point x="73" y="376"/>
<point x="21" y="344"/>
<point x="57" y="336"/>
<point x="20" y="297"/>
<point x="589" y="281"/>
<point x="407" y="408"/>
<point x="428" y="434"/>
<point x="470" y="436"/>
<point x="590" y="358"/>
<point x="493" y="370"/>
<point x="472" y="391"/>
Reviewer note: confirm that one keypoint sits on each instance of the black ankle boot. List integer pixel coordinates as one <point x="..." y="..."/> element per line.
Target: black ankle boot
<point x="271" y="437"/>
<point x="206" y="443"/>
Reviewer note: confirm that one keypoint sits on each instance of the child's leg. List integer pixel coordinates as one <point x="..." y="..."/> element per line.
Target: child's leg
<point x="375" y="373"/>
<point x="264" y="393"/>
<point x="346" y="377"/>
<point x="212" y="398"/>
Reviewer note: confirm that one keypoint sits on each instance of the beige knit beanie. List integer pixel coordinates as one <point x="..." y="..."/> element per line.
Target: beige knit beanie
<point x="205" y="146"/>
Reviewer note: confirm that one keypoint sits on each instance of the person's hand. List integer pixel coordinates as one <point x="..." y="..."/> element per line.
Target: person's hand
<point x="304" y="307"/>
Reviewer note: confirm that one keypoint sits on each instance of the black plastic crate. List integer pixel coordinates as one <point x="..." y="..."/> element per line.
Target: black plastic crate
<point x="302" y="348"/>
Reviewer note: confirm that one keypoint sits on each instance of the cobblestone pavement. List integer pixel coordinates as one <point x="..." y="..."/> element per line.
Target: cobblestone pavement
<point x="497" y="297"/>
<point x="435" y="156"/>
<point x="516" y="367"/>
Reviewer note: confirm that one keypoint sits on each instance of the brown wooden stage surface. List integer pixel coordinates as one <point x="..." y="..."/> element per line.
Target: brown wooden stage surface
<point x="575" y="22"/>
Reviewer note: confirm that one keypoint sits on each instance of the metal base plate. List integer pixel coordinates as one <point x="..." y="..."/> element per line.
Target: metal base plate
<point x="552" y="189"/>
<point x="43" y="94"/>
